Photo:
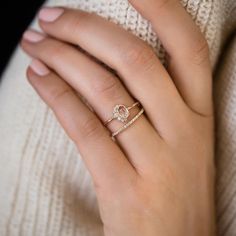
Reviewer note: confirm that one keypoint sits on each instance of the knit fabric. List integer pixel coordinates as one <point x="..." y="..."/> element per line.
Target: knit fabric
<point x="225" y="99"/>
<point x="45" y="188"/>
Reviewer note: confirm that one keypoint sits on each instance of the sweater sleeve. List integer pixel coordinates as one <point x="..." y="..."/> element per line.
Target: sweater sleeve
<point x="45" y="188"/>
<point x="225" y="103"/>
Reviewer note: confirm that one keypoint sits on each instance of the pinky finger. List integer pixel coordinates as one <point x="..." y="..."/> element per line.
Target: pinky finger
<point x="103" y="157"/>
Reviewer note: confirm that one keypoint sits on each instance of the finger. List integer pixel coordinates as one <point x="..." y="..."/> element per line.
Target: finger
<point x="103" y="91"/>
<point x="188" y="52"/>
<point x="102" y="156"/>
<point x="135" y="62"/>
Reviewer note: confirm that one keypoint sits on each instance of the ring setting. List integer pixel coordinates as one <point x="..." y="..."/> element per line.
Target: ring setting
<point x="121" y="113"/>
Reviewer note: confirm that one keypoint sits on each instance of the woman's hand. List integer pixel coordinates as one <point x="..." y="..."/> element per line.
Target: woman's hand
<point x="158" y="178"/>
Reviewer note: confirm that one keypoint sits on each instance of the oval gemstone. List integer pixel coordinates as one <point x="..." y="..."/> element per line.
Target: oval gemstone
<point x="121" y="112"/>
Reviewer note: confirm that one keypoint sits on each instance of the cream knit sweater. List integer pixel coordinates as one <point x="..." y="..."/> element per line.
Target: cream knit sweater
<point x="45" y="189"/>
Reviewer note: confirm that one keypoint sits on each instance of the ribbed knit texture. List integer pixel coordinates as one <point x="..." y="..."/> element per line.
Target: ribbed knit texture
<point x="45" y="189"/>
<point x="225" y="97"/>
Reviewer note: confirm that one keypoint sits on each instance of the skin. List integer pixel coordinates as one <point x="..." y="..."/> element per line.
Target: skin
<point x="157" y="178"/>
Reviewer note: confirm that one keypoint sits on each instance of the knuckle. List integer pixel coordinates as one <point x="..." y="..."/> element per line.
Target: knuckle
<point x="57" y="49"/>
<point x="139" y="55"/>
<point x="59" y="94"/>
<point x="108" y="87"/>
<point x="78" y="21"/>
<point x="91" y="128"/>
<point x="74" y="24"/>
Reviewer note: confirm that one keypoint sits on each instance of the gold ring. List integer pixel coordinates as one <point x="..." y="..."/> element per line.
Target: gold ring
<point x="121" y="113"/>
<point x="128" y="124"/>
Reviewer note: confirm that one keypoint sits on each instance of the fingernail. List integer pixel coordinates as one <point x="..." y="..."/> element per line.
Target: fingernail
<point x="33" y="36"/>
<point x="39" y="68"/>
<point x="50" y="14"/>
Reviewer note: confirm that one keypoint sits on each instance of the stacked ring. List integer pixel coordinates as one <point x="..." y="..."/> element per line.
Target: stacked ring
<point x="121" y="113"/>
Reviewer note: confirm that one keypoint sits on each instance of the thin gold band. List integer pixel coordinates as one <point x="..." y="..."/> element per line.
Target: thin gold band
<point x="127" y="124"/>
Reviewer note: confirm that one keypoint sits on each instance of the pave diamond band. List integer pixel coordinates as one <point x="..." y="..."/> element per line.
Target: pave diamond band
<point x="121" y="113"/>
<point x="128" y="124"/>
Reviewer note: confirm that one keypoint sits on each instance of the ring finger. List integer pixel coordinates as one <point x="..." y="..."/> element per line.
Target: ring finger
<point x="100" y="88"/>
<point x="83" y="127"/>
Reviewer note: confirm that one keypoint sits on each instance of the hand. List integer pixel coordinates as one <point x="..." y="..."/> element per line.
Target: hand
<point x="158" y="177"/>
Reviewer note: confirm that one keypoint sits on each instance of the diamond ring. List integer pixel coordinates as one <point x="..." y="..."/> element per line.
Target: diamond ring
<point x="121" y="113"/>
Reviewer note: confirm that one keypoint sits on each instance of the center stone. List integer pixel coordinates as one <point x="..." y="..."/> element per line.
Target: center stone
<point x="121" y="113"/>
<point x="122" y="110"/>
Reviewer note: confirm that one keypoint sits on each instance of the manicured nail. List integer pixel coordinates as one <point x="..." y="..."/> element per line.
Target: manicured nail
<point x="39" y="68"/>
<point x="50" y="14"/>
<point x="33" y="36"/>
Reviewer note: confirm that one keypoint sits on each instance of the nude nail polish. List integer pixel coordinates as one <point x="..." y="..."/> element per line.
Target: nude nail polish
<point x="39" y="68"/>
<point x="33" y="36"/>
<point x="50" y="14"/>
